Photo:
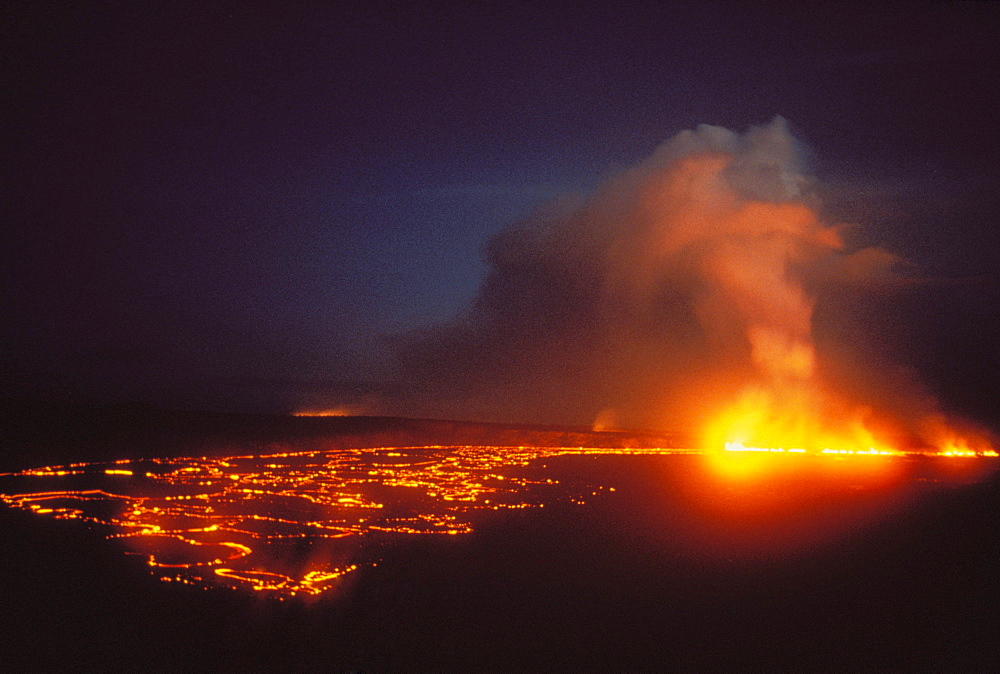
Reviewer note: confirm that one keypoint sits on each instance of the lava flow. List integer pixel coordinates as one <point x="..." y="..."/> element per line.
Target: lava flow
<point x="290" y="523"/>
<point x="294" y="523"/>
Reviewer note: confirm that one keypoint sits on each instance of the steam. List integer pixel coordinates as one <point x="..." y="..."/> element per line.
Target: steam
<point x="679" y="283"/>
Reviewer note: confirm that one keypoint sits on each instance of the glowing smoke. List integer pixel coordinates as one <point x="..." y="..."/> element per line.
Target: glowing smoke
<point x="689" y="279"/>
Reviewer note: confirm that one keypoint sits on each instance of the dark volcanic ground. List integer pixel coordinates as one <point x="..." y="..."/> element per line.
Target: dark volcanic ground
<point x="620" y="583"/>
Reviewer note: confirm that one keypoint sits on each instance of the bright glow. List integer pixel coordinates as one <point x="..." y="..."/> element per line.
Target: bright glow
<point x="740" y="447"/>
<point x="330" y="412"/>
<point x="794" y="414"/>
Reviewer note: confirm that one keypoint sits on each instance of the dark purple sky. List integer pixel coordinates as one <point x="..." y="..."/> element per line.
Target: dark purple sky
<point x="244" y="206"/>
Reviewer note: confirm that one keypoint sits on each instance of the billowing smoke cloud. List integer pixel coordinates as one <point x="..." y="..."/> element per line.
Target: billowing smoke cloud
<point x="678" y="284"/>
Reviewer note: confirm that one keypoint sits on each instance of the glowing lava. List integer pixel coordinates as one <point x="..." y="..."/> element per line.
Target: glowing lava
<point x="291" y="523"/>
<point x="295" y="523"/>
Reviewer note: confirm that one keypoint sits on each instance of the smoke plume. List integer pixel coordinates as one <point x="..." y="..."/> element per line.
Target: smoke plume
<point x="704" y="275"/>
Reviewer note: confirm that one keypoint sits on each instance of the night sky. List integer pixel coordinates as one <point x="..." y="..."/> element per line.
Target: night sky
<point x="251" y="207"/>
